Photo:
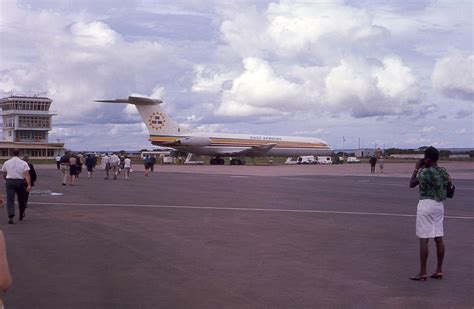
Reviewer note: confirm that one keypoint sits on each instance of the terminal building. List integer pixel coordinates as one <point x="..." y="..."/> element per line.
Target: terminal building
<point x="26" y="125"/>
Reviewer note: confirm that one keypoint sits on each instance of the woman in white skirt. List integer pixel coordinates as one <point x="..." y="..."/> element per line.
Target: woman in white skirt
<point x="433" y="182"/>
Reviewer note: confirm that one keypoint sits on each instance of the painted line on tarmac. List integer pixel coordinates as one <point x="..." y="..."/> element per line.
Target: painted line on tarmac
<point x="366" y="182"/>
<point x="246" y="209"/>
<point x="361" y="182"/>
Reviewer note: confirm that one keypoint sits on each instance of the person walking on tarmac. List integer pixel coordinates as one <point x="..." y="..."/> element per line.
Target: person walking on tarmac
<point x="152" y="162"/>
<point x="127" y="166"/>
<point x="147" y="164"/>
<point x="373" y="162"/>
<point x="64" y="163"/>
<point x="16" y="173"/>
<point x="33" y="177"/>
<point x="105" y="163"/>
<point x="80" y="163"/>
<point x="73" y="168"/>
<point x="114" y="164"/>
<point x="58" y="161"/>
<point x="90" y="165"/>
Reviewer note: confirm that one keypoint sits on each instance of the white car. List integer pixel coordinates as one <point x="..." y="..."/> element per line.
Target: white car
<point x="306" y="160"/>
<point x="352" y="160"/>
<point x="324" y="160"/>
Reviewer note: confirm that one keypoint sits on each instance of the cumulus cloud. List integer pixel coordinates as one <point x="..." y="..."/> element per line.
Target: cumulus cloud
<point x="453" y="76"/>
<point x="211" y="80"/>
<point x="158" y="92"/>
<point x="74" y="58"/>
<point x="258" y="91"/>
<point x="95" y="33"/>
<point x="360" y="87"/>
<point x="82" y="62"/>
<point x="372" y="89"/>
<point x="291" y="29"/>
<point x="305" y="56"/>
<point x="428" y="129"/>
<point x="223" y="63"/>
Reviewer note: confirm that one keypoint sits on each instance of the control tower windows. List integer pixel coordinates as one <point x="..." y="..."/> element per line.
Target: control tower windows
<point x="8" y="122"/>
<point x="34" y="122"/>
<point x="31" y="135"/>
<point x="26" y="106"/>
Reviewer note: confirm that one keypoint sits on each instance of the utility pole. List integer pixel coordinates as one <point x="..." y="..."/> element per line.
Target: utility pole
<point x="343" y="140"/>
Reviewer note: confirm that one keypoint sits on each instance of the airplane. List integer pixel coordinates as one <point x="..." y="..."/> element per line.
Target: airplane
<point x="165" y="132"/>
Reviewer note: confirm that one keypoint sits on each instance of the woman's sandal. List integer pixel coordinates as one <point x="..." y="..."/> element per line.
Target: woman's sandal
<point x="419" y="278"/>
<point x="437" y="276"/>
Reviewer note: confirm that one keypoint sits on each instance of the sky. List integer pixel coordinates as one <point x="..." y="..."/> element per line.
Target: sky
<point x="385" y="73"/>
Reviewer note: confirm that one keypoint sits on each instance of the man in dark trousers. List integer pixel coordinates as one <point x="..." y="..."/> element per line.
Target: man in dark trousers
<point x="58" y="161"/>
<point x="16" y="172"/>
<point x="33" y="176"/>
<point x="373" y="162"/>
<point x="153" y="162"/>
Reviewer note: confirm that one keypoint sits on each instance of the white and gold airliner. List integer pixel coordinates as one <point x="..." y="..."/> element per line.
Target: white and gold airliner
<point x="166" y="133"/>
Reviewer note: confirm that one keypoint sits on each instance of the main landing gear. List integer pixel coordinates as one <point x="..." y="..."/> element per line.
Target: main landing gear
<point x="220" y="161"/>
<point x="237" y="162"/>
<point x="217" y="161"/>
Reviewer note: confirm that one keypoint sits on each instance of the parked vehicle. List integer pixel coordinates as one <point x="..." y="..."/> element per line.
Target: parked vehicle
<point x="290" y="160"/>
<point x="352" y="160"/>
<point x="306" y="160"/>
<point x="167" y="159"/>
<point x="324" y="160"/>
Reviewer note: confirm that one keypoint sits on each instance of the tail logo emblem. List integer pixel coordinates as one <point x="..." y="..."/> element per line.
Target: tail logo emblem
<point x="156" y="120"/>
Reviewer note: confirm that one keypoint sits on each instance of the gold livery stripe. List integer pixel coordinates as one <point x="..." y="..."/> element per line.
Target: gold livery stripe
<point x="245" y="142"/>
<point x="250" y="143"/>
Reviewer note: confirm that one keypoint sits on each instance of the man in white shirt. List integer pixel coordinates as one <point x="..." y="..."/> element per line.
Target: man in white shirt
<point x="58" y="161"/>
<point x="127" y="166"/>
<point x="114" y="164"/>
<point x="16" y="173"/>
<point x="105" y="162"/>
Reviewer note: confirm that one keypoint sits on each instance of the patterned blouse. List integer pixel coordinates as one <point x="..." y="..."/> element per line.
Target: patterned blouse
<point x="433" y="183"/>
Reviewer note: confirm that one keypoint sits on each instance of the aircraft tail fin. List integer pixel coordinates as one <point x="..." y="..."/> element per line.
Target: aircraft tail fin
<point x="153" y="116"/>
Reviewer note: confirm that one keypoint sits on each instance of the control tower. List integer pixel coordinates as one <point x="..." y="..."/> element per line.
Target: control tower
<point x="26" y="125"/>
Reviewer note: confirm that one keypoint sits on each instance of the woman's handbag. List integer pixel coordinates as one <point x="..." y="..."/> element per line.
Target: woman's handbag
<point x="451" y="189"/>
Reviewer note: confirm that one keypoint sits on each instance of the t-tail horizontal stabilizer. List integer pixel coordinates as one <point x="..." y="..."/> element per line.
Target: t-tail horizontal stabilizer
<point x="157" y="122"/>
<point x="133" y="100"/>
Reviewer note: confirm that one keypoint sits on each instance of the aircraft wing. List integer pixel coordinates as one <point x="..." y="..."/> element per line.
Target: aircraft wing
<point x="255" y="151"/>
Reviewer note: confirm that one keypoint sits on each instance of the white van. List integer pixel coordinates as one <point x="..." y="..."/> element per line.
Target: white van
<point x="324" y="160"/>
<point x="352" y="160"/>
<point x="306" y="160"/>
<point x="167" y="159"/>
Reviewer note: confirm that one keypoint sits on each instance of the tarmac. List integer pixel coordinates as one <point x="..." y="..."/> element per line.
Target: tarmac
<point x="237" y="237"/>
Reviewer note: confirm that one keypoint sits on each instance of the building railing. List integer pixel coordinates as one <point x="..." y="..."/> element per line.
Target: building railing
<point x="27" y="112"/>
<point x="37" y="141"/>
<point x="31" y="127"/>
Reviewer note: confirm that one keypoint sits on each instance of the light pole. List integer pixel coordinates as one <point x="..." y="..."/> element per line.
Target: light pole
<point x="343" y="140"/>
